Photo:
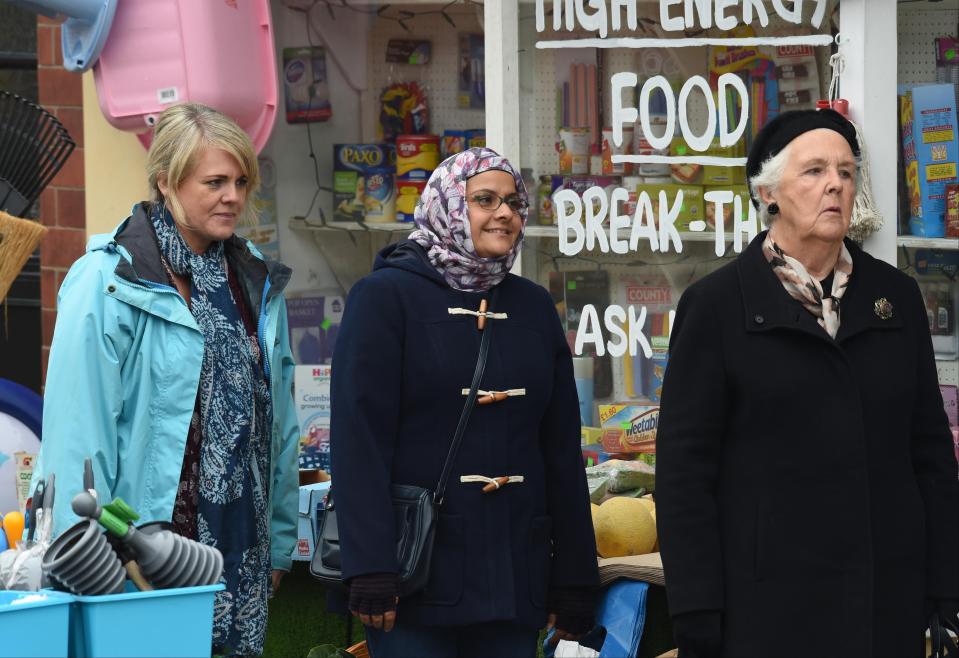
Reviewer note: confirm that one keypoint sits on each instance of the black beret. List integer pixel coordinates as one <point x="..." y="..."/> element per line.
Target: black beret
<point x="787" y="126"/>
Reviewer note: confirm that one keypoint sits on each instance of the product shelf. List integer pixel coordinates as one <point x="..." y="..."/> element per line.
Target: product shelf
<point x="541" y="231"/>
<point x="300" y="224"/>
<point x="912" y="242"/>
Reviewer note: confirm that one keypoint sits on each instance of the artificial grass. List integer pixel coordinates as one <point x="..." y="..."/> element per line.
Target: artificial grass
<point x="299" y="621"/>
<point x="298" y="618"/>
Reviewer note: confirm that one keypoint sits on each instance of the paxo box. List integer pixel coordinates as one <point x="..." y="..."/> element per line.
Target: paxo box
<point x="930" y="148"/>
<point x="351" y="165"/>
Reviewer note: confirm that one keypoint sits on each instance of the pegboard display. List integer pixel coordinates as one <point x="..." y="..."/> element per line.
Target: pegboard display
<point x="918" y="26"/>
<point x="542" y="73"/>
<point x="439" y="77"/>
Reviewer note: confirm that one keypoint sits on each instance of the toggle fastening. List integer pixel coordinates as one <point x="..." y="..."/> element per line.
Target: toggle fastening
<point x="492" y="484"/>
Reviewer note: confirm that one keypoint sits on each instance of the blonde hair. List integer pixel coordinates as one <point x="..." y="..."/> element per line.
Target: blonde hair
<point x="180" y="133"/>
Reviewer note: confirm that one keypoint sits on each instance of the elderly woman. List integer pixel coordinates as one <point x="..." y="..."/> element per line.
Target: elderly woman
<point x="507" y="555"/>
<point x="170" y="367"/>
<point x="806" y="487"/>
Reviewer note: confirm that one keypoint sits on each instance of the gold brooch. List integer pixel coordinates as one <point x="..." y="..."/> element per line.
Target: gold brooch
<point x="883" y="308"/>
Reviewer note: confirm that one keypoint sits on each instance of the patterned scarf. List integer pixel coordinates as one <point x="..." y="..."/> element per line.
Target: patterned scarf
<point x="443" y="225"/>
<point x="235" y="417"/>
<point x="806" y="289"/>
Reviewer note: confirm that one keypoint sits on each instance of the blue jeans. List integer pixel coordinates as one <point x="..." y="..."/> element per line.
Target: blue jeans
<point x="499" y="639"/>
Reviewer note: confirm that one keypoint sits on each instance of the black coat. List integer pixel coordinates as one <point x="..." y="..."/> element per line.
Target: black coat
<point x="806" y="487"/>
<point x="399" y="367"/>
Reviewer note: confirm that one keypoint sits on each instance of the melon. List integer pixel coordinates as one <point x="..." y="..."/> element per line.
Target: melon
<point x="624" y="526"/>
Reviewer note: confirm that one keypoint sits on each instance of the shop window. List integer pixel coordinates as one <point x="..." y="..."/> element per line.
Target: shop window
<point x="587" y="111"/>
<point x="377" y="130"/>
<point x="928" y="220"/>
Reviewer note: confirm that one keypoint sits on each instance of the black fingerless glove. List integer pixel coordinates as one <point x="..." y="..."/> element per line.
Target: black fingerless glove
<point x="373" y="593"/>
<point x="574" y="607"/>
<point x="698" y="634"/>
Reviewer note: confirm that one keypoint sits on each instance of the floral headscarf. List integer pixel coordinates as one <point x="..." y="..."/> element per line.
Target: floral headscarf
<point x="443" y="225"/>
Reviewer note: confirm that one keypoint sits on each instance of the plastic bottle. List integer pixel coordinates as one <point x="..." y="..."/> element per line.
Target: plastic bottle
<point x="945" y="323"/>
<point x="929" y="298"/>
<point x="544" y="200"/>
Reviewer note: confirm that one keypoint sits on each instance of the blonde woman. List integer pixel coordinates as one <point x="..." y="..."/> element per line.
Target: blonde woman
<point x="171" y="367"/>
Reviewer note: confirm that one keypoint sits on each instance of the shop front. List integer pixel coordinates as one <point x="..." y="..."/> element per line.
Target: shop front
<point x="630" y="121"/>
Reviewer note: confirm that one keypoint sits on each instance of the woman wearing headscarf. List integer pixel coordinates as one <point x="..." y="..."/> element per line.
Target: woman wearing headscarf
<point x="171" y="370"/>
<point x="504" y="559"/>
<point x="807" y="496"/>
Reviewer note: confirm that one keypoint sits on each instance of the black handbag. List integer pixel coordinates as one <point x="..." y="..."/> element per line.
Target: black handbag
<point x="943" y="646"/>
<point x="415" y="509"/>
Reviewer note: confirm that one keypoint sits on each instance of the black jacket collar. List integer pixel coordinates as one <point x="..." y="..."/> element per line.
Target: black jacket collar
<point x="768" y="306"/>
<point x="137" y="236"/>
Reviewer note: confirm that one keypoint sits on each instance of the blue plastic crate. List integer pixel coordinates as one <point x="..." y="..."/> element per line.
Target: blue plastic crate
<point x="177" y="623"/>
<point x="35" y="629"/>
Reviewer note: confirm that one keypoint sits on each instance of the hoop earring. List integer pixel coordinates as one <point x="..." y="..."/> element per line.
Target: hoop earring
<point x="773" y="208"/>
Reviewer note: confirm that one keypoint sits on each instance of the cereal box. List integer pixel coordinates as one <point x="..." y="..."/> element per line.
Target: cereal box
<point x="629" y="427"/>
<point x="930" y="149"/>
<point x="952" y="211"/>
<point x="728" y="208"/>
<point x="691" y="210"/>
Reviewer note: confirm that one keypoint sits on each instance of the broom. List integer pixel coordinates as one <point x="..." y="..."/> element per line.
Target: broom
<point x="18" y="239"/>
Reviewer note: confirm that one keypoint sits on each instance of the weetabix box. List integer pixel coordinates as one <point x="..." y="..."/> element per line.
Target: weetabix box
<point x="930" y="149"/>
<point x="629" y="427"/>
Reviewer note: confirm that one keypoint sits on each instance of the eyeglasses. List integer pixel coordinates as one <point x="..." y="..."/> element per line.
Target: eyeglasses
<point x="488" y="200"/>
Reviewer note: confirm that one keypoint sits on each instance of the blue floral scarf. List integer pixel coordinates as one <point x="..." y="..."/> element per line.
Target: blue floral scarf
<point x="235" y="416"/>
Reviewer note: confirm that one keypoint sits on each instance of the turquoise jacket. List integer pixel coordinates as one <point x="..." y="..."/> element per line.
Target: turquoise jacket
<point x="123" y="373"/>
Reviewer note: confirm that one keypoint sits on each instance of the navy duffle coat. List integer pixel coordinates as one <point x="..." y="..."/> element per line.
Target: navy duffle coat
<point x="400" y="366"/>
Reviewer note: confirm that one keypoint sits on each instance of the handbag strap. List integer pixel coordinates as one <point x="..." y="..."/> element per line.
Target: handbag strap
<point x="440" y="492"/>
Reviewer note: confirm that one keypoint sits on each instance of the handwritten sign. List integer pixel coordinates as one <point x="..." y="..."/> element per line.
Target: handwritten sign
<point x="594" y="220"/>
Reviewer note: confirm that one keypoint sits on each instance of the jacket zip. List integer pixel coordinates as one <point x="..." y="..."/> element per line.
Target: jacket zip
<point x="260" y="329"/>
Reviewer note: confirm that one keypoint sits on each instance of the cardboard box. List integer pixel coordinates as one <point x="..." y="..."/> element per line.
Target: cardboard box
<point x="314" y="322"/>
<point x="305" y="82"/>
<point x="950" y="401"/>
<point x="590" y="435"/>
<point x="729" y="208"/>
<point x="930" y="151"/>
<point x="309" y="511"/>
<point x="351" y="164"/>
<point x="952" y="211"/>
<point x="596" y="454"/>
<point x="691" y="210"/>
<point x="629" y="427"/>
<point x="690" y="174"/>
<point x="312" y="397"/>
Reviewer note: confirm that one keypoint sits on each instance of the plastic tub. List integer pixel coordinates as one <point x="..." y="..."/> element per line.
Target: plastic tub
<point x="37" y="628"/>
<point x="168" y="51"/>
<point x="176" y="623"/>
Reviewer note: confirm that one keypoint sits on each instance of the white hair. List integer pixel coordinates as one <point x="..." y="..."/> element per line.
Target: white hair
<point x="771" y="174"/>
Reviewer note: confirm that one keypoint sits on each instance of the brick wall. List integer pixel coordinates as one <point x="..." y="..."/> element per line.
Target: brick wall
<point x="62" y="203"/>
